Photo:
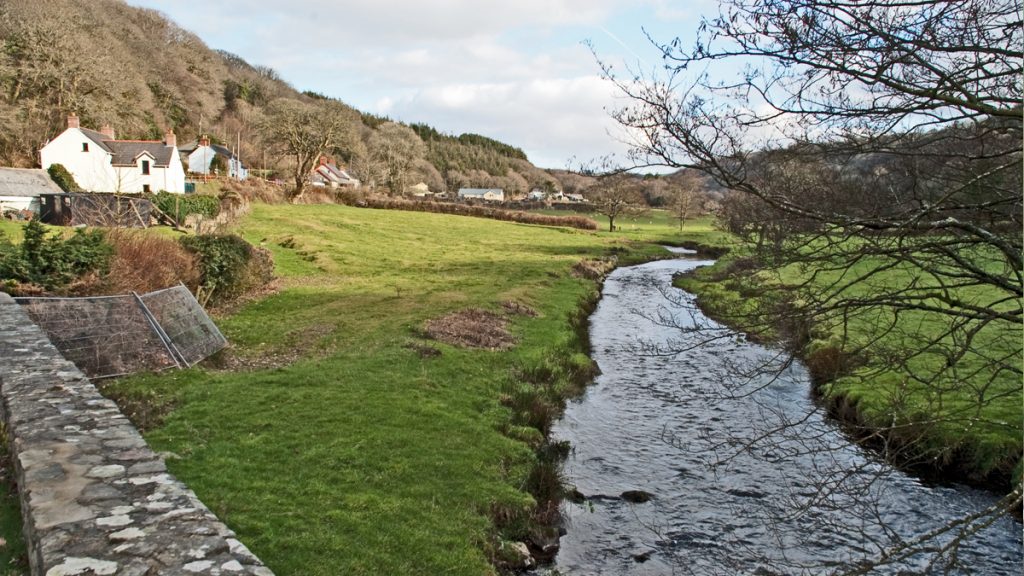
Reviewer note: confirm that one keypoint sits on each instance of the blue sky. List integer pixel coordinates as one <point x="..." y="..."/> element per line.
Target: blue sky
<point x="515" y="71"/>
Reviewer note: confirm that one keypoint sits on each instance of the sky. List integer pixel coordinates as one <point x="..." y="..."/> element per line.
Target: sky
<point x="520" y="72"/>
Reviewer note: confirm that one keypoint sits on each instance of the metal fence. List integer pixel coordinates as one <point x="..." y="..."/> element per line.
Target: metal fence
<point x="117" y="335"/>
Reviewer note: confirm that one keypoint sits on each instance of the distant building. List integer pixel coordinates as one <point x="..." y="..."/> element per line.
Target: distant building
<point x="420" y="190"/>
<point x="328" y="173"/>
<point x="536" y="195"/>
<point x="201" y="154"/>
<point x="101" y="163"/>
<point x="488" y="194"/>
<point x="20" y="188"/>
<point x="575" y="197"/>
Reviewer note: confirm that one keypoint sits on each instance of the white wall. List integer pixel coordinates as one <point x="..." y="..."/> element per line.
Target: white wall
<point x="92" y="169"/>
<point x="93" y="172"/>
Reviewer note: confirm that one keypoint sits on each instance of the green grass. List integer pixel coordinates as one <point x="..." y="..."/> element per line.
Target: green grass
<point x="356" y="455"/>
<point x="979" y="423"/>
<point x="12" y="545"/>
<point x="658" y="226"/>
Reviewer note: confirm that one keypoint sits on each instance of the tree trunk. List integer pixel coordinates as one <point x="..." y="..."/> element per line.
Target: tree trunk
<point x="611" y="224"/>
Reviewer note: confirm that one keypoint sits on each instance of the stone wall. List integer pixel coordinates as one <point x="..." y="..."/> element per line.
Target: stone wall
<point x="95" y="498"/>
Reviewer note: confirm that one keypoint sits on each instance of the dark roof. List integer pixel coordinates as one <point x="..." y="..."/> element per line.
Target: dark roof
<point x="100" y="139"/>
<point x="126" y="152"/>
<point x="23" y="182"/>
<point x="222" y="150"/>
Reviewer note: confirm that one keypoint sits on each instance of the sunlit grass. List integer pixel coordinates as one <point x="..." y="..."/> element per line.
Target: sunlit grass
<point x="356" y="455"/>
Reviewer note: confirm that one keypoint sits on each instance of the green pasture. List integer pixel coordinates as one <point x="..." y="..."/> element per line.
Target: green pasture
<point x="329" y="442"/>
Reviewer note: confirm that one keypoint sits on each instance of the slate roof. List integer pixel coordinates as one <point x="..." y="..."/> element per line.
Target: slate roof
<point x="24" y="182"/>
<point x="97" y="137"/>
<point x="126" y="152"/>
<point x="222" y="150"/>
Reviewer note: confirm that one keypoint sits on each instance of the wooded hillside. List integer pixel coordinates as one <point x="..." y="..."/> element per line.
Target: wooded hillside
<point x="141" y="73"/>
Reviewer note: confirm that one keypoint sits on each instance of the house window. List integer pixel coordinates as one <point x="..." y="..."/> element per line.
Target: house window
<point x="145" y="188"/>
<point x="145" y="167"/>
<point x="85" y="146"/>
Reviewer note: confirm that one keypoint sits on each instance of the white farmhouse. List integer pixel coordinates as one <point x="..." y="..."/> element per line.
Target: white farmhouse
<point x="488" y="194"/>
<point x="101" y="163"/>
<point x="201" y="155"/>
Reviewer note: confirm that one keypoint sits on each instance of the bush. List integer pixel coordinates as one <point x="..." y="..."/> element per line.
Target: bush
<point x="178" y="206"/>
<point x="228" y="266"/>
<point x="53" y="262"/>
<point x="63" y="178"/>
<point x="144" y="262"/>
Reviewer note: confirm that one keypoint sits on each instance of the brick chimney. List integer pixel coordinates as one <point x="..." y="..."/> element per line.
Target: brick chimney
<point x="73" y="120"/>
<point x="324" y="160"/>
<point x="108" y="131"/>
<point x="170" y="139"/>
<point x="204" y="140"/>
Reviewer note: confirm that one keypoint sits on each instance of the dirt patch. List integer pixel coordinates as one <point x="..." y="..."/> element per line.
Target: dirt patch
<point x="472" y="328"/>
<point x="518" y="309"/>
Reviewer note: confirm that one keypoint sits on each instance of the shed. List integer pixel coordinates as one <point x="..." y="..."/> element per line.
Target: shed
<point x="91" y="209"/>
<point x="488" y="194"/>
<point x="20" y="188"/>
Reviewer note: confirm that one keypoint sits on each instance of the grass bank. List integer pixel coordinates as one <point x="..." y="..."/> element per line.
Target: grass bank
<point x="966" y="425"/>
<point x="338" y="439"/>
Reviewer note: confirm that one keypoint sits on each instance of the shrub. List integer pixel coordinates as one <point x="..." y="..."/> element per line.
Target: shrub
<point x="178" y="206"/>
<point x="228" y="266"/>
<point x="63" y="178"/>
<point x="144" y="262"/>
<point x="51" y="261"/>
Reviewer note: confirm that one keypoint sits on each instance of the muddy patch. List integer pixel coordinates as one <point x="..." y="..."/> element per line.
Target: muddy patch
<point x="513" y="308"/>
<point x="472" y="328"/>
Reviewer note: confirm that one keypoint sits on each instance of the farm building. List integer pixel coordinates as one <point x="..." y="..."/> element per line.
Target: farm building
<point x="20" y="189"/>
<point x="487" y="194"/>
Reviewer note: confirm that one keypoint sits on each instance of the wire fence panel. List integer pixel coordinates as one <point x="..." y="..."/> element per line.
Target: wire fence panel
<point x="118" y="335"/>
<point x="193" y="335"/>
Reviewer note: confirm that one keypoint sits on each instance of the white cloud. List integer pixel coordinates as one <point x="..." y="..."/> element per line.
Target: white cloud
<point x="514" y="71"/>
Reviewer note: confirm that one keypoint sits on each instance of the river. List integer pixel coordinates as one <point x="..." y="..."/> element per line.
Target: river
<point x="653" y="423"/>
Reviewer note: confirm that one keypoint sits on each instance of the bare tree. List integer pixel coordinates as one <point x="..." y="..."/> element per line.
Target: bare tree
<point x="685" y="198"/>
<point x="616" y="195"/>
<point x="305" y="131"/>
<point x="884" y="140"/>
<point x="396" y="148"/>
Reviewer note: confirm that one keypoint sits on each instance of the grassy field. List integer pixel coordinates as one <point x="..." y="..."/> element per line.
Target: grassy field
<point x="659" y="226"/>
<point x="973" y="416"/>
<point x="333" y="445"/>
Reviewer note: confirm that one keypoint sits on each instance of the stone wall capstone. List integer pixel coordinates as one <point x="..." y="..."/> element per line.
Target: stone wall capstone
<point x="95" y="498"/>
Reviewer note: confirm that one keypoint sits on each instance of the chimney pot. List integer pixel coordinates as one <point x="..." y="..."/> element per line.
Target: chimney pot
<point x="323" y="160"/>
<point x="108" y="131"/>
<point x="204" y="141"/>
<point x="73" y="120"/>
<point x="170" y="139"/>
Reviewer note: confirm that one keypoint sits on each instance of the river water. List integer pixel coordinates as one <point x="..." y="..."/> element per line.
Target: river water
<point x="655" y="422"/>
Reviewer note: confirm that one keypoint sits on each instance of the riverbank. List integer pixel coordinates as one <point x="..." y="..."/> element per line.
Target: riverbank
<point x="339" y="435"/>
<point x="947" y="434"/>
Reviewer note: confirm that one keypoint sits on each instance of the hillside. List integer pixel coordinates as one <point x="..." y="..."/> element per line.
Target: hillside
<point x="141" y="73"/>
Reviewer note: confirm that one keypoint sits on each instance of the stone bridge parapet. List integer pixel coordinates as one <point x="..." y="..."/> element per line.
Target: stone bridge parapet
<point x="95" y="498"/>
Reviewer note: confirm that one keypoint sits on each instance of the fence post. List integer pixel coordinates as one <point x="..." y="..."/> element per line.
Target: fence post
<point x="168" y="344"/>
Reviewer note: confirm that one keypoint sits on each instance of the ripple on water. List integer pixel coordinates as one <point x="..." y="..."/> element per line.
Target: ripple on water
<point x="648" y="423"/>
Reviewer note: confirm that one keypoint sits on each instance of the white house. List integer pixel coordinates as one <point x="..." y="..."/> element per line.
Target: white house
<point x="20" y="188"/>
<point x="327" y="173"/>
<point x="488" y="194"/>
<point x="101" y="163"/>
<point x="202" y="153"/>
<point x="536" y="195"/>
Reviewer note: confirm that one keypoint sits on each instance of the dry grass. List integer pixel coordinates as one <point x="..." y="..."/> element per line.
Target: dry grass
<point x="472" y="328"/>
<point x="144" y="262"/>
